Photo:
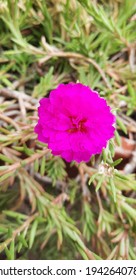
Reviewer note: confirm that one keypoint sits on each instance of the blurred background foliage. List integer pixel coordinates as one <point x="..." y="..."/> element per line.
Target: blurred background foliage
<point x="51" y="209"/>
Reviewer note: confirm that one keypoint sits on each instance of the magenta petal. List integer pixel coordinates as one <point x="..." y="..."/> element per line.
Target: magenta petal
<point x="38" y="129"/>
<point x="75" y="122"/>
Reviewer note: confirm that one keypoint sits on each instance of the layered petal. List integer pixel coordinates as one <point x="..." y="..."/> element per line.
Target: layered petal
<point x="75" y="122"/>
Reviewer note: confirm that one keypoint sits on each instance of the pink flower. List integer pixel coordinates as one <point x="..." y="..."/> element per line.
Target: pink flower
<point x="75" y="122"/>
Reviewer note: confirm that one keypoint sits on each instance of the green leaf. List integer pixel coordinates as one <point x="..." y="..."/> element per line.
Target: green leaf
<point x="45" y="84"/>
<point x="15" y="214"/>
<point x="6" y="176"/>
<point x="22" y="242"/>
<point x="113" y="188"/>
<point x="3" y="230"/>
<point x="33" y="233"/>
<point x="27" y="151"/>
<point x="121" y="125"/>
<point x="131" y="91"/>
<point x="92" y="178"/>
<point x="12" y="250"/>
<point x="129" y="210"/>
<point x="116" y="162"/>
<point x="10" y="253"/>
<point x="36" y="165"/>
<point x="104" y="155"/>
<point x="42" y="166"/>
<point x="121" y="176"/>
<point x="117" y="138"/>
<point x="100" y="182"/>
<point x="6" y="159"/>
<point x="111" y="148"/>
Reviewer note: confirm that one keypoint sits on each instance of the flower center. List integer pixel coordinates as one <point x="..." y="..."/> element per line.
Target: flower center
<point x="77" y="125"/>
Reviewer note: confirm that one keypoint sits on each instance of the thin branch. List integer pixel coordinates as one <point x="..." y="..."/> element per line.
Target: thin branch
<point x="24" y="162"/>
<point x="16" y="94"/>
<point x="9" y="120"/>
<point x="18" y="231"/>
<point x="85" y="191"/>
<point x="54" y="52"/>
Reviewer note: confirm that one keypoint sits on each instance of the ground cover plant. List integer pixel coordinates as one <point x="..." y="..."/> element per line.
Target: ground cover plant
<point x="51" y="208"/>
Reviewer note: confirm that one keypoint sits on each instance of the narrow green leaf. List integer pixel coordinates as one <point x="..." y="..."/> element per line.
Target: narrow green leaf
<point x="3" y="230"/>
<point x="131" y="91"/>
<point x="113" y="188"/>
<point x="129" y="210"/>
<point x="121" y="125"/>
<point x="121" y="176"/>
<point x="117" y="138"/>
<point x="22" y="242"/>
<point x="8" y="253"/>
<point x="42" y="166"/>
<point x="6" y="176"/>
<point x="92" y="178"/>
<point x="14" y="214"/>
<point x="81" y="251"/>
<point x="100" y="182"/>
<point x="33" y="233"/>
<point x="116" y="162"/>
<point x="6" y="159"/>
<point x="104" y="155"/>
<point x="111" y="148"/>
<point x="36" y="165"/>
<point x="12" y="250"/>
<point x="27" y="151"/>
